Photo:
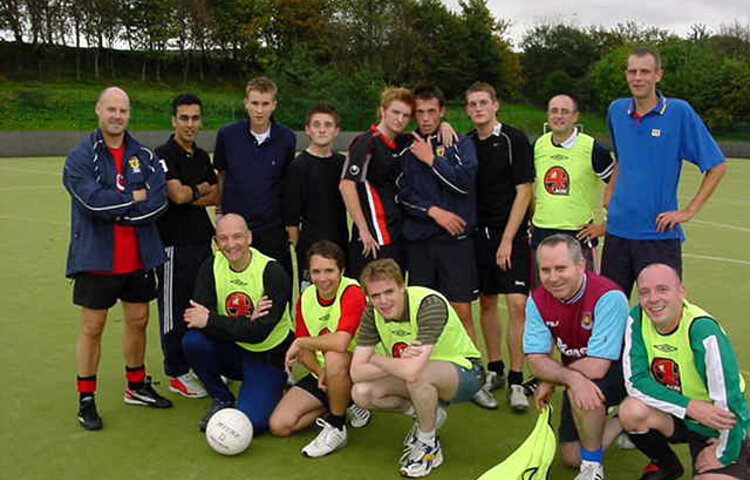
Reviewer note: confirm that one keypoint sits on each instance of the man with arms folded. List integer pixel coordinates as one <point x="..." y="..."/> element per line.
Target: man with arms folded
<point x="584" y="314"/>
<point x="651" y="135"/>
<point x="117" y="191"/>
<point x="684" y="384"/>
<point x="570" y="165"/>
<point x="240" y="325"/>
<point x="429" y="359"/>
<point x="327" y="317"/>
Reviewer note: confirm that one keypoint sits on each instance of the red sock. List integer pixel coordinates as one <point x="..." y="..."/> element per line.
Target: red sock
<point x="135" y="376"/>
<point x="86" y="385"/>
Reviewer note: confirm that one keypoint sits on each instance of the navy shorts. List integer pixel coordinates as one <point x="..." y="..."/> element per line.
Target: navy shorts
<point x="100" y="292"/>
<point x="493" y="280"/>
<point x="447" y="266"/>
<point x="624" y="258"/>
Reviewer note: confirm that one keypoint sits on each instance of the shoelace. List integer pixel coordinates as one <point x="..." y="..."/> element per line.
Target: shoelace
<point x="324" y="438"/>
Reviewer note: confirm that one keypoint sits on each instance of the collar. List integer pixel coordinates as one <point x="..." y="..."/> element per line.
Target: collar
<point x="497" y="129"/>
<point x="569" y="142"/>
<point x="270" y="129"/>
<point x="173" y="144"/>
<point x="659" y="109"/>
<point x="579" y="293"/>
<point x="388" y="142"/>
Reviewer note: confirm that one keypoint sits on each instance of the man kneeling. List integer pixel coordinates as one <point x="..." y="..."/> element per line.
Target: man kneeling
<point x="684" y="384"/>
<point x="327" y="317"/>
<point x="429" y="359"/>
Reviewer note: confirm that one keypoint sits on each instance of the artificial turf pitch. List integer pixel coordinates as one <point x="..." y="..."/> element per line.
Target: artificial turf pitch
<point x="39" y="435"/>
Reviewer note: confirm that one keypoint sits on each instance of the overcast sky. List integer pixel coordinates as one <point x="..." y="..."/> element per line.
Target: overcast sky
<point x="674" y="15"/>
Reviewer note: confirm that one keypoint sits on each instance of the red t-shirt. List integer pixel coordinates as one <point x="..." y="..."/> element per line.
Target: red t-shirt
<point x="126" y="256"/>
<point x="353" y="303"/>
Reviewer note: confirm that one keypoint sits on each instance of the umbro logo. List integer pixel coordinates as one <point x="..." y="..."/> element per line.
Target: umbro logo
<point x="401" y="333"/>
<point x="665" y="348"/>
<point x="237" y="281"/>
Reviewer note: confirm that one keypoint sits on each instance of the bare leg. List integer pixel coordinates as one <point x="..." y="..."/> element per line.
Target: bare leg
<point x="438" y="380"/>
<point x="297" y="409"/>
<point x="590" y="425"/>
<point x="385" y="394"/>
<point x="89" y="342"/>
<point x="338" y="381"/>
<point x="491" y="329"/>
<point x="134" y="336"/>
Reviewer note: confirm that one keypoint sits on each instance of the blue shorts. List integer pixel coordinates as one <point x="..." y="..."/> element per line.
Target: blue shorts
<point x="469" y="381"/>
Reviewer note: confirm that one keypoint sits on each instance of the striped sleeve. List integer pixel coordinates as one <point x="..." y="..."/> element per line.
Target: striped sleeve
<point x="367" y="334"/>
<point x="638" y="380"/>
<point x="431" y="319"/>
<point x="717" y="365"/>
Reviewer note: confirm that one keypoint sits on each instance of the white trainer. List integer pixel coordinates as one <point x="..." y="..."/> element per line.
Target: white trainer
<point x="591" y="471"/>
<point x="441" y="415"/>
<point x="517" y="398"/>
<point x="357" y="416"/>
<point x="421" y="459"/>
<point x="187" y="385"/>
<point x="328" y="440"/>
<point x="485" y="399"/>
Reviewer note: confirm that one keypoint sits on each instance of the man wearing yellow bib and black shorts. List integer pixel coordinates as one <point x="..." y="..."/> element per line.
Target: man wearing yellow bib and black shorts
<point x="240" y="325"/>
<point x="684" y="384"/>
<point x="430" y="359"/>
<point x="327" y="316"/>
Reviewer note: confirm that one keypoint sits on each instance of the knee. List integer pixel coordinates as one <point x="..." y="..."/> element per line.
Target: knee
<point x="633" y="414"/>
<point x="488" y="303"/>
<point x="92" y="329"/>
<point x="517" y="309"/>
<point x="279" y="425"/>
<point x="363" y="394"/>
<point x="137" y="322"/>
<point x="337" y="364"/>
<point x="571" y="457"/>
<point x="194" y="342"/>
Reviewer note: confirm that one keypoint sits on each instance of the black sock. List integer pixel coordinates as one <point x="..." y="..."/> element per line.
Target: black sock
<point x="654" y="445"/>
<point x="496" y="366"/>
<point x="85" y="396"/>
<point x="337" y="420"/>
<point x="514" y="377"/>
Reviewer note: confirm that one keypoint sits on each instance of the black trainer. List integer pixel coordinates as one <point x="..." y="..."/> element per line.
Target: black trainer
<point x="215" y="406"/>
<point x="88" y="417"/>
<point x="666" y="470"/>
<point x="529" y="387"/>
<point x="146" y="396"/>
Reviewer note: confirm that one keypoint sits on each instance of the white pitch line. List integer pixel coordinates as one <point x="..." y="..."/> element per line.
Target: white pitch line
<point x="32" y="219"/>
<point x="722" y="225"/>
<point x="28" y="170"/>
<point x="718" y="259"/>
<point x="33" y="187"/>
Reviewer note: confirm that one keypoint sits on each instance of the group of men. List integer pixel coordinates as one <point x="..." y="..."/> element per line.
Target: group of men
<point x="452" y="211"/>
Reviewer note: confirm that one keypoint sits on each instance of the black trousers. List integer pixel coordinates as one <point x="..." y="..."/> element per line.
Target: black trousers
<point x="176" y="279"/>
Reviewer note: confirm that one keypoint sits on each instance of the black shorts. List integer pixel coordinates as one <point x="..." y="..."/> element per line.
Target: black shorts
<point x="493" y="280"/>
<point x="99" y="292"/>
<point x="697" y="442"/>
<point x="447" y="266"/>
<point x="588" y="249"/>
<point x="612" y="386"/>
<point x="309" y="384"/>
<point x="356" y="261"/>
<point x="624" y="258"/>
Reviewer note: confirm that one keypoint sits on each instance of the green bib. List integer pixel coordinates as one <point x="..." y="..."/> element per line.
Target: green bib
<point x="453" y="345"/>
<point x="566" y="188"/>
<point x="237" y="294"/>
<point x="670" y="357"/>
<point x="324" y="318"/>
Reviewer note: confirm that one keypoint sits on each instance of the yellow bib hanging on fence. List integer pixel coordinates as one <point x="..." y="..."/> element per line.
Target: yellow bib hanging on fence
<point x="530" y="461"/>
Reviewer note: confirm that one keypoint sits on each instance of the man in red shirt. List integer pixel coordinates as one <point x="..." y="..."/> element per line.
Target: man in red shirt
<point x="117" y="190"/>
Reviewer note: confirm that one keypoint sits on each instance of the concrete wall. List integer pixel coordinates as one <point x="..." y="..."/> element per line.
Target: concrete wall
<point x="57" y="143"/>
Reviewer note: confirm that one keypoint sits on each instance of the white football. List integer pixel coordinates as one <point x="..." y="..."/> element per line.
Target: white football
<point x="229" y="431"/>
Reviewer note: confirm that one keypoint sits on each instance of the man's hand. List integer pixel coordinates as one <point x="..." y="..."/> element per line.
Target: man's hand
<point x="448" y="220"/>
<point x="139" y="195"/>
<point x="291" y="356"/>
<point x="669" y="220"/>
<point x="707" y="459"/>
<point x="710" y="415"/>
<point x="370" y="246"/>
<point x="196" y="315"/>
<point x="414" y="350"/>
<point x="446" y="135"/>
<point x="264" y="305"/>
<point x="590" y="231"/>
<point x="203" y="188"/>
<point x="422" y="149"/>
<point x="585" y="395"/>
<point x="542" y="394"/>
<point x="502" y="257"/>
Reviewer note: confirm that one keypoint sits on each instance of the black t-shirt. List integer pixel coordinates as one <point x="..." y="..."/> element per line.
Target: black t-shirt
<point x="374" y="163"/>
<point x="313" y="200"/>
<point x="186" y="223"/>
<point x="504" y="162"/>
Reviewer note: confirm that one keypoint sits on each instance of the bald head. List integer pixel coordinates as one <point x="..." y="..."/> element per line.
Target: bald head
<point x="234" y="238"/>
<point x="231" y="221"/>
<point x="113" y="111"/>
<point x="661" y="295"/>
<point x="562" y="115"/>
<point x="660" y="271"/>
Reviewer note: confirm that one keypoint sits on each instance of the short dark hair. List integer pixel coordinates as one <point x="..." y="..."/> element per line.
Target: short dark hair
<point x="322" y="107"/>
<point x="643" y="51"/>
<point x="482" y="87"/>
<point x="329" y="250"/>
<point x="428" y="92"/>
<point x="185" y="99"/>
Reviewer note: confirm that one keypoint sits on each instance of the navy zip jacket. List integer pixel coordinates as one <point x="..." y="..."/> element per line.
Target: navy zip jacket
<point x="96" y="203"/>
<point x="255" y="174"/>
<point x="448" y="184"/>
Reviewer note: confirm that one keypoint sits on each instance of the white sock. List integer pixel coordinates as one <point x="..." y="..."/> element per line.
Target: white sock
<point x="410" y="411"/>
<point x="426" y="437"/>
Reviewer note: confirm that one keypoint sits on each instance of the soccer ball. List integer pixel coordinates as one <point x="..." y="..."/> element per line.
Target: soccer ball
<point x="229" y="431"/>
